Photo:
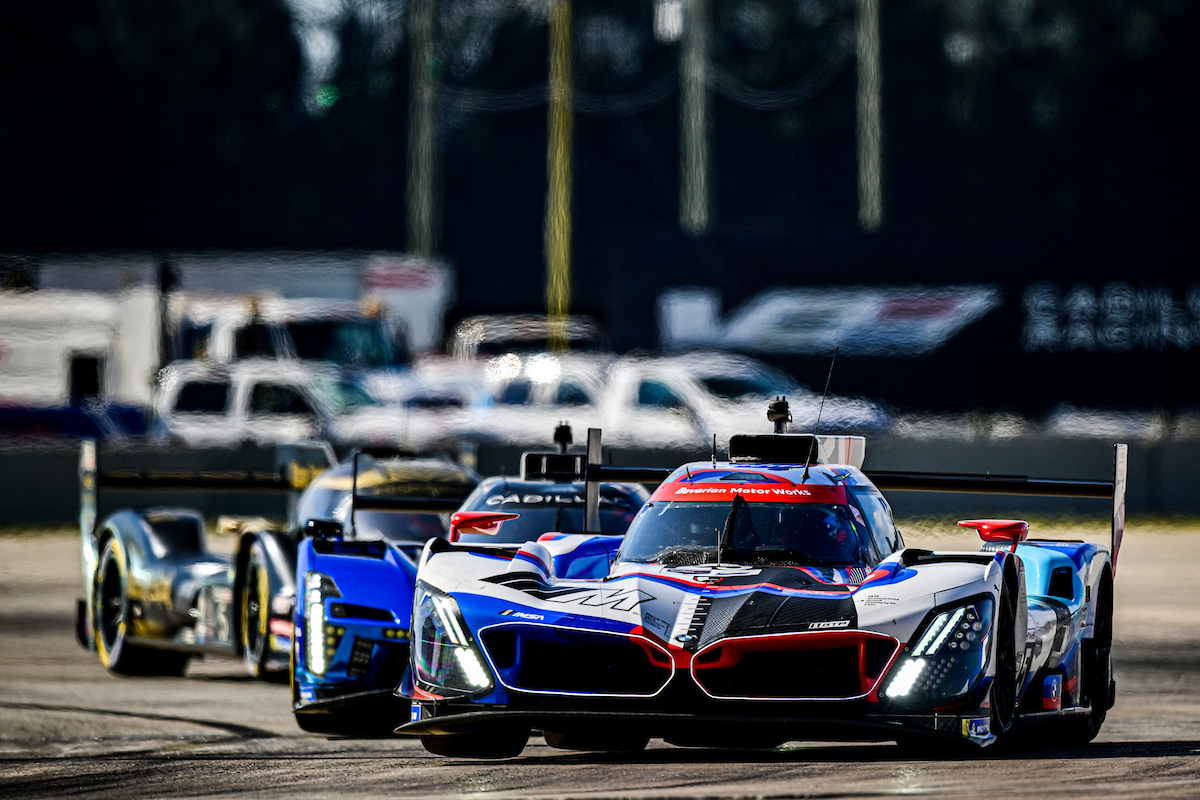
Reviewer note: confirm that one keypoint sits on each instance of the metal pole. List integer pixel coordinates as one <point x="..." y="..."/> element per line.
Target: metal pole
<point x="870" y="118"/>
<point x="591" y="495"/>
<point x="421" y="191"/>
<point x="695" y="121"/>
<point x="557" y="230"/>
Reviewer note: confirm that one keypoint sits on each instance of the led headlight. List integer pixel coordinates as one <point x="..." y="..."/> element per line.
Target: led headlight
<point x="444" y="654"/>
<point x="321" y="638"/>
<point x="947" y="659"/>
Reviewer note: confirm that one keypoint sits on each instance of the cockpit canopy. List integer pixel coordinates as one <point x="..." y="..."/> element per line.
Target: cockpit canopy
<point x="756" y="518"/>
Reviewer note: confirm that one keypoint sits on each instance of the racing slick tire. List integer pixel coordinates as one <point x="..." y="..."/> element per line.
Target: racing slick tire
<point x="112" y="618"/>
<point x="1095" y="669"/>
<point x="505" y="743"/>
<point x="614" y="743"/>
<point x="254" y="606"/>
<point x="1002" y="695"/>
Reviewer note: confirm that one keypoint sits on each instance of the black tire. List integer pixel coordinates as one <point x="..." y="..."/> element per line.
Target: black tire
<point x="611" y="742"/>
<point x="1095" y="669"/>
<point x="254" y="604"/>
<point x="110" y="593"/>
<point x="504" y="743"/>
<point x="1003" y="692"/>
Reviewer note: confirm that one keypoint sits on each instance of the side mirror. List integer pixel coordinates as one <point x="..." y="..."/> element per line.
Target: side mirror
<point x="486" y="523"/>
<point x="323" y="529"/>
<point x="999" y="530"/>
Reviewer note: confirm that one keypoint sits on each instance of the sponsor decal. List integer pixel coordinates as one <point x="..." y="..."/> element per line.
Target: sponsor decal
<point x="715" y="571"/>
<point x="651" y="621"/>
<point x="547" y="499"/>
<point x="307" y="694"/>
<point x="416" y="713"/>
<point x="753" y="492"/>
<point x="508" y="612"/>
<point x="833" y="623"/>
<point x="616" y="599"/>
<point x="977" y="729"/>
<point x="1052" y="693"/>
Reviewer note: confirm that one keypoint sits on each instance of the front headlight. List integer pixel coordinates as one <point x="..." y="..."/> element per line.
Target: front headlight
<point x="444" y="654"/>
<point x="947" y="659"/>
<point x="320" y="637"/>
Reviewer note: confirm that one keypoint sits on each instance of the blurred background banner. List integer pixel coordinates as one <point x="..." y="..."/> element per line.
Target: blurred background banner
<point x="230" y="222"/>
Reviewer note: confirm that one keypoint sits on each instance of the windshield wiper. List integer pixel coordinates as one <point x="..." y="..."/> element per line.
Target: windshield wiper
<point x="727" y="531"/>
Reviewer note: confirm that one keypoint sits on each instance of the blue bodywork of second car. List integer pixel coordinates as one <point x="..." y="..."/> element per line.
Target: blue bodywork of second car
<point x="356" y="573"/>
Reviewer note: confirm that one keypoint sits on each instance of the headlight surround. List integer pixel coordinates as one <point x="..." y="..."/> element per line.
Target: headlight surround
<point x="947" y="657"/>
<point x="321" y="638"/>
<point x="444" y="654"/>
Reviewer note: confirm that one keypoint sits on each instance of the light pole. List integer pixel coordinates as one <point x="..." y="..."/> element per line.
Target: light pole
<point x="695" y="121"/>
<point x="557" y="227"/>
<point x="870" y="118"/>
<point x="421" y="190"/>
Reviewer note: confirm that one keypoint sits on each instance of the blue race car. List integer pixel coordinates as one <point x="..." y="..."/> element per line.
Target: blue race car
<point x="357" y="570"/>
<point x="763" y="599"/>
<point x="366" y="521"/>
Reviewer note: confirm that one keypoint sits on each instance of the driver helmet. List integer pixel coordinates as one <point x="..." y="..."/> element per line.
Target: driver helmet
<point x="815" y="522"/>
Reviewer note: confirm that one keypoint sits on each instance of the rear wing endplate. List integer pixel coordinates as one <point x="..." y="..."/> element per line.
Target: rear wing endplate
<point x="1023" y="485"/>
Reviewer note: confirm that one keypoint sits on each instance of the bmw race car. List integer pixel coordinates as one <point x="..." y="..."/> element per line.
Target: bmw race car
<point x="765" y="598"/>
<point x="358" y="570"/>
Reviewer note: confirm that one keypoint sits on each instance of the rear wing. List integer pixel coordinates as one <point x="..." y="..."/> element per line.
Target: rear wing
<point x="295" y="467"/>
<point x="429" y="498"/>
<point x="552" y="466"/>
<point x="1023" y="485"/>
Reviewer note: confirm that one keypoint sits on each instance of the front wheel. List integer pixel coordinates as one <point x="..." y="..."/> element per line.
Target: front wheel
<point x="255" y="605"/>
<point x="113" y="618"/>
<point x="1002" y="695"/>
<point x="505" y="743"/>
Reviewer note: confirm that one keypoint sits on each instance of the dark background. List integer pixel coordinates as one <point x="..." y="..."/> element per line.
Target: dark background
<point x="1048" y="140"/>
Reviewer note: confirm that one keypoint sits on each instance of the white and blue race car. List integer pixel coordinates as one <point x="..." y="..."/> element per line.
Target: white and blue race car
<point x="763" y="599"/>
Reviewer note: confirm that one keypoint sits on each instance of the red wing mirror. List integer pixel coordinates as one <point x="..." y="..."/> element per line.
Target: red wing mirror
<point x="999" y="530"/>
<point x="486" y="523"/>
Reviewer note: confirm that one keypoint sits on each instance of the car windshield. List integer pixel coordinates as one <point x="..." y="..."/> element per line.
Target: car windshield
<point x="341" y="397"/>
<point x="739" y="387"/>
<point x="203" y="397"/>
<point x="753" y="534"/>
<point x="351" y="343"/>
<point x="551" y="511"/>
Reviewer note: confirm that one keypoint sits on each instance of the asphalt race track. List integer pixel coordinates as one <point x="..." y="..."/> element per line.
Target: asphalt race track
<point x="69" y="729"/>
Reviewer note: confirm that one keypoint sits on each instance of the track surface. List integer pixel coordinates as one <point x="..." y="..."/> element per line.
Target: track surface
<point x="69" y="729"/>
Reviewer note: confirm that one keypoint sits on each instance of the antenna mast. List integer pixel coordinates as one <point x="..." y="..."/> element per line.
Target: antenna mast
<point x="820" y="408"/>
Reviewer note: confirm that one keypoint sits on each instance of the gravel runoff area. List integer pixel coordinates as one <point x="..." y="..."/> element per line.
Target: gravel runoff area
<point x="69" y="729"/>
